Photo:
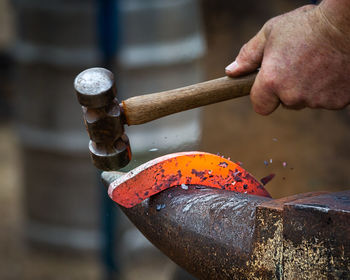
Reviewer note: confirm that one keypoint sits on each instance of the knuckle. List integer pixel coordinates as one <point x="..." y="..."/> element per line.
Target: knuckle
<point x="291" y="99"/>
<point x="269" y="80"/>
<point x="270" y="83"/>
<point x="270" y="24"/>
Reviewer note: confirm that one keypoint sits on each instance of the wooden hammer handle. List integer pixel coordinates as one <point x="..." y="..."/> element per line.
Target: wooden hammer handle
<point x="145" y="108"/>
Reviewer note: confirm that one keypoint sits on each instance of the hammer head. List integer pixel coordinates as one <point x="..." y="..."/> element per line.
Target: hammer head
<point x="109" y="145"/>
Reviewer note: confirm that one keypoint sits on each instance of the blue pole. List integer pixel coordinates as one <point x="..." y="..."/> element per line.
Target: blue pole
<point x="107" y="38"/>
<point x="109" y="224"/>
<point x="107" y="30"/>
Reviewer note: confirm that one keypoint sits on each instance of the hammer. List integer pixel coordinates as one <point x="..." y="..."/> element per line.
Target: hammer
<point x="105" y="117"/>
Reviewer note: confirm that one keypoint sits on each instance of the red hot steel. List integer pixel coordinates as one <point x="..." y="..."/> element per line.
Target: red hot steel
<point x="190" y="168"/>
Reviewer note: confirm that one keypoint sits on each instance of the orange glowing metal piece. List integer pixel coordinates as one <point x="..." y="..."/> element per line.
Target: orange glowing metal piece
<point x="189" y="168"/>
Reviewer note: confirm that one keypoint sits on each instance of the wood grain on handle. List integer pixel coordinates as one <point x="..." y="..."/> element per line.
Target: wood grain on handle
<point x="148" y="107"/>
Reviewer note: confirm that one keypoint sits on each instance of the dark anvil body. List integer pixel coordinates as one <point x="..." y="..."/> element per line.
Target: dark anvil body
<point x="216" y="234"/>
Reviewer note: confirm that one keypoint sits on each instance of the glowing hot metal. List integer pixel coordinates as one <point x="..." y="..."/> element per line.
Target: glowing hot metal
<point x="189" y="168"/>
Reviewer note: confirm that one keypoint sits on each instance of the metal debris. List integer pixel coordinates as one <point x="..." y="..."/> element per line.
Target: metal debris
<point x="160" y="207"/>
<point x="184" y="187"/>
<point x="267" y="178"/>
<point x="223" y="164"/>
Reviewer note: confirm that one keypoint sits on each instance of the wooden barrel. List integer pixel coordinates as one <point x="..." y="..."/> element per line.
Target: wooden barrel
<point x="161" y="47"/>
<point x="55" y="41"/>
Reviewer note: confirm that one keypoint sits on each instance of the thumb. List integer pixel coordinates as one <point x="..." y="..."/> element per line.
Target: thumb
<point x="250" y="56"/>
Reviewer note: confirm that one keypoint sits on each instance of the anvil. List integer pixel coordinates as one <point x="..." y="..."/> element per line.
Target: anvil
<point x="221" y="234"/>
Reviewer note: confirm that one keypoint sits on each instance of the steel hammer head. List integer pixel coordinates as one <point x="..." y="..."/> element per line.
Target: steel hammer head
<point x="109" y="145"/>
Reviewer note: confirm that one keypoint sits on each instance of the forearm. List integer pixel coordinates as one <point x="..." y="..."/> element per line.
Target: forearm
<point x="337" y="13"/>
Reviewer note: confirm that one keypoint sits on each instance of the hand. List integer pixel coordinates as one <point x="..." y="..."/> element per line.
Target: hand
<point x="304" y="61"/>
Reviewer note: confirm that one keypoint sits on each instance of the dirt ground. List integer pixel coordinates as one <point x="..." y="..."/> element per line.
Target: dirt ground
<point x="313" y="146"/>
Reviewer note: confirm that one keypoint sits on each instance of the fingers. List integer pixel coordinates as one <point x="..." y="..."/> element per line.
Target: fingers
<point x="266" y="95"/>
<point x="249" y="57"/>
<point x="263" y="96"/>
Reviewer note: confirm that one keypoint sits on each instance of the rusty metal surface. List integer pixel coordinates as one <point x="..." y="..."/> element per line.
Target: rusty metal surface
<point x="218" y="234"/>
<point x="208" y="232"/>
<point x="317" y="237"/>
<point x="267" y="258"/>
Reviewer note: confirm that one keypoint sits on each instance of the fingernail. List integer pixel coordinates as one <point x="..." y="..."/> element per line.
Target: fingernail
<point x="232" y="67"/>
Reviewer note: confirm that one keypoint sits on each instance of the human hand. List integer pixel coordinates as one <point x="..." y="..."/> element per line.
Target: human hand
<point x="304" y="60"/>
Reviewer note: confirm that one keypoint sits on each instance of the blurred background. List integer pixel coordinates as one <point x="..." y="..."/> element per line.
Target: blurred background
<point x="57" y="222"/>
